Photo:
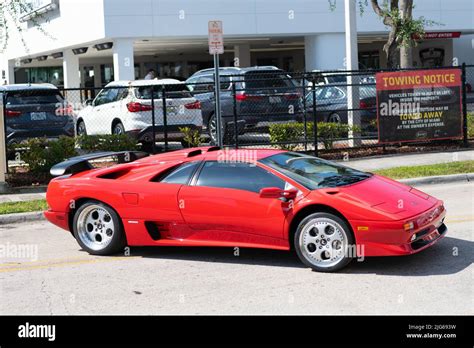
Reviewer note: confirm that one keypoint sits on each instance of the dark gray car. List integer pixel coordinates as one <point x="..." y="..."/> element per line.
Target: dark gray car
<point x="263" y="95"/>
<point x="35" y="111"/>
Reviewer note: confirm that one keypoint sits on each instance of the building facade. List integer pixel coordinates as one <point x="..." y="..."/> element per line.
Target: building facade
<point x="88" y="43"/>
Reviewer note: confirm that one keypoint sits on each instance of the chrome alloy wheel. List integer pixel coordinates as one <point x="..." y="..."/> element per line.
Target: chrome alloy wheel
<point x="323" y="242"/>
<point x="95" y="227"/>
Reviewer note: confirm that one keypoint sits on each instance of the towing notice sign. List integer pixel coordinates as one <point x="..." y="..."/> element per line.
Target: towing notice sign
<point x="419" y="105"/>
<point x="216" y="37"/>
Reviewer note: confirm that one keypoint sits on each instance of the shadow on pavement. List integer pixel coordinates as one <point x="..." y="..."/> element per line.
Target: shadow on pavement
<point x="439" y="259"/>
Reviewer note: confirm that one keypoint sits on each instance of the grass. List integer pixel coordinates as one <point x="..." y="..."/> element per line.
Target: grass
<point x="23" y="207"/>
<point x="428" y="170"/>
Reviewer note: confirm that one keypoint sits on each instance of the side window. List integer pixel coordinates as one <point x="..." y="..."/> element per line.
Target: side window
<point x="239" y="176"/>
<point x="179" y="175"/>
<point x="191" y="83"/>
<point x="205" y="84"/>
<point x="106" y="96"/>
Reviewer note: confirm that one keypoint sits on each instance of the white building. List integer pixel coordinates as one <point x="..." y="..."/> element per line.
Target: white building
<point x="170" y="36"/>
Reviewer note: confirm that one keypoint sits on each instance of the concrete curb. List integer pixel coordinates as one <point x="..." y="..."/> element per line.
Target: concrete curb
<point x="429" y="180"/>
<point x="21" y="217"/>
<point x="442" y="179"/>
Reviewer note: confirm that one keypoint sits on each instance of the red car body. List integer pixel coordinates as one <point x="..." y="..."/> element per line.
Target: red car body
<point x="377" y="209"/>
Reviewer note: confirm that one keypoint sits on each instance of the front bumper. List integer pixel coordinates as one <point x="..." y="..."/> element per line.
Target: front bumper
<point x="390" y="239"/>
<point x="59" y="219"/>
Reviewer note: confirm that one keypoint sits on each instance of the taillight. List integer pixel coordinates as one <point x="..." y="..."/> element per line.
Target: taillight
<point x="194" y="105"/>
<point x="138" y="107"/>
<point x="243" y="96"/>
<point x="11" y="113"/>
<point x="67" y="110"/>
<point x="293" y="96"/>
<point x="365" y="105"/>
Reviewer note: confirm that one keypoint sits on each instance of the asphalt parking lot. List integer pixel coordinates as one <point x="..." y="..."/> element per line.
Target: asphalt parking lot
<point x="66" y="280"/>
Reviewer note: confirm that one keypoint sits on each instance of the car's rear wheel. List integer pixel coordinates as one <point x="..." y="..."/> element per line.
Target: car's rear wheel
<point x="81" y="128"/>
<point x="118" y="129"/>
<point x="212" y="129"/>
<point x="324" y="242"/>
<point x="98" y="229"/>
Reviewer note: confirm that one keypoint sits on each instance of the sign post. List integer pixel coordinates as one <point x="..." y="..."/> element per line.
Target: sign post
<point x="216" y="47"/>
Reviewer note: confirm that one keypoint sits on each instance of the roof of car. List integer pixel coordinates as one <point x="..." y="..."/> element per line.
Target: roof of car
<point x="139" y="83"/>
<point x="26" y="86"/>
<point x="237" y="71"/>
<point x="213" y="154"/>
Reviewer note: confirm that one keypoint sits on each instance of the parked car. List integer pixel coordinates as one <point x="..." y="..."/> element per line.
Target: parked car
<point x="264" y="95"/>
<point x="328" y="213"/>
<point x="125" y="107"/>
<point x="35" y="110"/>
<point x="331" y="105"/>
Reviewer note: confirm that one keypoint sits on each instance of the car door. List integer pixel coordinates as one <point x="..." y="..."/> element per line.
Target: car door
<point x="103" y="111"/>
<point x="225" y="196"/>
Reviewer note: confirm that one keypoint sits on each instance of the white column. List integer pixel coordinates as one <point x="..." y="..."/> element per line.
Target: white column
<point x="124" y="66"/>
<point x="352" y="63"/>
<point x="242" y="55"/>
<point x="10" y="71"/>
<point x="97" y="76"/>
<point x="324" y="52"/>
<point x="71" y="71"/>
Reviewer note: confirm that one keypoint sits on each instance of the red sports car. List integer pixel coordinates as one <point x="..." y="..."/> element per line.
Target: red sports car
<point x="328" y="213"/>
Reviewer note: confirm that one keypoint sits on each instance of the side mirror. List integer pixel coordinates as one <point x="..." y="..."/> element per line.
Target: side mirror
<point x="275" y="192"/>
<point x="88" y="101"/>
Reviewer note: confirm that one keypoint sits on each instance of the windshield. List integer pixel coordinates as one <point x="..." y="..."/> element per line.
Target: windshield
<point x="176" y="90"/>
<point x="34" y="97"/>
<point x="312" y="172"/>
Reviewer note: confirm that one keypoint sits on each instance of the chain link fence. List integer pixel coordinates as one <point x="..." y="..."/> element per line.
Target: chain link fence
<point x="322" y="112"/>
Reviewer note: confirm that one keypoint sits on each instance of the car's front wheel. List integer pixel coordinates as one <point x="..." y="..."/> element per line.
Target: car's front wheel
<point x="118" y="129"/>
<point x="98" y="229"/>
<point x="324" y="242"/>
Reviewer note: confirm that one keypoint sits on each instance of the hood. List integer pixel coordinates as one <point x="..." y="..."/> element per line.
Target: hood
<point x="386" y="197"/>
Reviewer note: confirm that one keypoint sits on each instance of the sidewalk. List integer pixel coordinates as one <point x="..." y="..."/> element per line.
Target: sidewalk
<point x="416" y="159"/>
<point x="369" y="164"/>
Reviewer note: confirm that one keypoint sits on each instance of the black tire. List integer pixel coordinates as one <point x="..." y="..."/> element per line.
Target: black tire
<point x="81" y="128"/>
<point x="346" y="256"/>
<point x="118" y="129"/>
<point x="117" y="241"/>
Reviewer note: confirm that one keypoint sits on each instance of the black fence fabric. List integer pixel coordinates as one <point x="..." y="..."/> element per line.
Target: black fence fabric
<point x="317" y="111"/>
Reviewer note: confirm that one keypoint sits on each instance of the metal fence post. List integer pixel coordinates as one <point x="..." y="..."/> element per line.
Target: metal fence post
<point x="165" y="119"/>
<point x="315" y="121"/>
<point x="236" y="127"/>
<point x="464" y="105"/>
<point x="153" y="133"/>
<point x="3" y="147"/>
<point x="305" y="124"/>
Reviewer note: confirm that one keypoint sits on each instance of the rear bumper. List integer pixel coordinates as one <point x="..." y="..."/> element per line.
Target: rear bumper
<point x="250" y="123"/>
<point x="390" y="239"/>
<point x="18" y="135"/>
<point x="173" y="132"/>
<point x="59" y="219"/>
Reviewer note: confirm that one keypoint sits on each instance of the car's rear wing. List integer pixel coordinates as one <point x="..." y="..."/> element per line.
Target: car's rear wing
<point x="80" y="164"/>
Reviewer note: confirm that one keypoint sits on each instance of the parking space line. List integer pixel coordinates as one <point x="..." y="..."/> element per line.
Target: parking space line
<point x="62" y="264"/>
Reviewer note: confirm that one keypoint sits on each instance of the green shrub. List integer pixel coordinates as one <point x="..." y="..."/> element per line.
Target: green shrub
<point x="98" y="143"/>
<point x="192" y="137"/>
<point x="41" y="154"/>
<point x="470" y="125"/>
<point x="328" y="132"/>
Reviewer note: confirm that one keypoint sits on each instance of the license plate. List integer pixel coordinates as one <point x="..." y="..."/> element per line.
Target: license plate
<point x="274" y="100"/>
<point x="171" y="110"/>
<point x="38" y="116"/>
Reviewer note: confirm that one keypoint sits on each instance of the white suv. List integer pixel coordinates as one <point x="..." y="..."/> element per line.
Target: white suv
<point x="125" y="107"/>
